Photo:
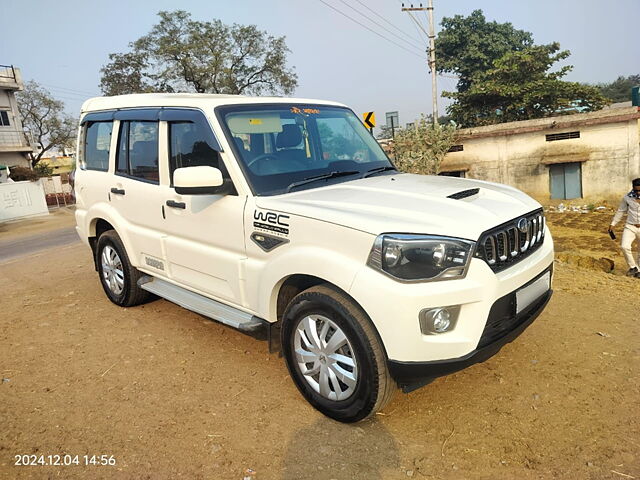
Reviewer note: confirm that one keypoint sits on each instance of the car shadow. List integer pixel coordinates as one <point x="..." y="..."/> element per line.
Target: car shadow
<point x="331" y="450"/>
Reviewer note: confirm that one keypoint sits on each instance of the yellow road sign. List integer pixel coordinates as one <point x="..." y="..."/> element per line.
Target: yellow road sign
<point x="369" y="119"/>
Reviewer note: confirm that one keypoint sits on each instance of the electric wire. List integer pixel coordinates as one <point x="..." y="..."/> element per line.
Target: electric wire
<point x="381" y="26"/>
<point x="418" y="28"/>
<point x="419" y="40"/>
<point x="79" y="92"/>
<point x="371" y="30"/>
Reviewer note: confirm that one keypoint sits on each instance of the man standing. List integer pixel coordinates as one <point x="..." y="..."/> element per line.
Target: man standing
<point x="631" y="206"/>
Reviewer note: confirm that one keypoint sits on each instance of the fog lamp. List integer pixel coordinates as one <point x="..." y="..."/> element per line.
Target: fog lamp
<point x="438" y="320"/>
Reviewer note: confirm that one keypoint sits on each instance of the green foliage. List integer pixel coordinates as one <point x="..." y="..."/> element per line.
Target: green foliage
<point x="385" y="132"/>
<point x="126" y="74"/>
<point x="422" y="148"/>
<point x="467" y="46"/>
<point x="44" y="118"/>
<point x="184" y="55"/>
<point x="20" y="174"/>
<point x="520" y="87"/>
<point x="43" y="170"/>
<point x="620" y="89"/>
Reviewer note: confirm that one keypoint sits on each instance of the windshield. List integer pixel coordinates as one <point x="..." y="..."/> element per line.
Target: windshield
<point x="284" y="147"/>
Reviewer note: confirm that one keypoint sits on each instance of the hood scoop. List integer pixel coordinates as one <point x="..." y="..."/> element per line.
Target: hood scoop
<point x="464" y="194"/>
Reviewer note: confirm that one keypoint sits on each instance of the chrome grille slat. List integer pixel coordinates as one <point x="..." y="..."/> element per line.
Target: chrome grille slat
<point x="505" y="245"/>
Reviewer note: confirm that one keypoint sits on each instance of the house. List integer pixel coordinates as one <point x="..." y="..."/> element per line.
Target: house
<point x="60" y="161"/>
<point x="584" y="155"/>
<point x="14" y="144"/>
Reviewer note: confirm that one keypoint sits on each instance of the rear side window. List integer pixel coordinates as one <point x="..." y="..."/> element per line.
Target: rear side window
<point x="138" y="150"/>
<point x="190" y="145"/>
<point x="97" y="143"/>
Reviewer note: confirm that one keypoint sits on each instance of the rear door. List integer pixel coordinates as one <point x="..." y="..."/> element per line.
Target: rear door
<point x="136" y="191"/>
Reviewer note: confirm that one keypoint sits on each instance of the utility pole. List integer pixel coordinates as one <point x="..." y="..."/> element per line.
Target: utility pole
<point x="432" y="52"/>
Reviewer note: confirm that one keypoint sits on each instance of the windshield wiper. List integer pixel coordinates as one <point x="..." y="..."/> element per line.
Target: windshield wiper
<point x="321" y="177"/>
<point x="373" y="171"/>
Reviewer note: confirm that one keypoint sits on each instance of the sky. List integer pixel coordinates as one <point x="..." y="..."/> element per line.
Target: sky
<point x="63" y="44"/>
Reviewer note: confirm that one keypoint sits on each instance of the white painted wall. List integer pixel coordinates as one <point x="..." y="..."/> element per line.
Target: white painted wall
<point x="21" y="199"/>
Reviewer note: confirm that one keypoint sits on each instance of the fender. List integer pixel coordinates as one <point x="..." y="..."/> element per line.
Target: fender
<point x="107" y="212"/>
<point x="331" y="266"/>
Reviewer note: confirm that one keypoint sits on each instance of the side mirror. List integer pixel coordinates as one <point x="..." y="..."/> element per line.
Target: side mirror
<point x="197" y="180"/>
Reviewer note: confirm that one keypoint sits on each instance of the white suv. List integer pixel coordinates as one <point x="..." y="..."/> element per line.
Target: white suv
<point x="286" y="213"/>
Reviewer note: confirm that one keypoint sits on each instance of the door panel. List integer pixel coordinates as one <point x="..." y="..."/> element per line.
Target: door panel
<point x="572" y="181"/>
<point x="556" y="173"/>
<point x="566" y="180"/>
<point x="206" y="245"/>
<point x="136" y="193"/>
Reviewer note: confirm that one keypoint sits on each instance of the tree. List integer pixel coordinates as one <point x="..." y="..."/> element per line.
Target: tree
<point x="520" y="87"/>
<point x="620" y="89"/>
<point x="44" y="118"/>
<point x="385" y="132"/>
<point x="422" y="148"/>
<point x="43" y="170"/>
<point x="467" y="46"/>
<point x="125" y="74"/>
<point x="184" y="55"/>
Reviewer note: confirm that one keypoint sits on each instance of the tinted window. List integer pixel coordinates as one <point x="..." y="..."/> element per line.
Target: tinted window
<point x="97" y="142"/>
<point x="138" y="150"/>
<point x="122" y="161"/>
<point x="4" y="118"/>
<point x="190" y="146"/>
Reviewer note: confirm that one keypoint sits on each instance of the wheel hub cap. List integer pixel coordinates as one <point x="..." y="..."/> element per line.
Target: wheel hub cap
<point x="325" y="357"/>
<point x="112" y="271"/>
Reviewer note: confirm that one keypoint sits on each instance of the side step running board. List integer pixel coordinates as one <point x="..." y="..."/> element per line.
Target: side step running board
<point x="200" y="304"/>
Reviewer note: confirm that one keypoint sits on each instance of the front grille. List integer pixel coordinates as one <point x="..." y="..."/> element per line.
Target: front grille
<point x="507" y="244"/>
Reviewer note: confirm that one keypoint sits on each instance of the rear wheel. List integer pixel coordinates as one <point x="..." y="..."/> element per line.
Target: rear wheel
<point x="334" y="355"/>
<point x="118" y="277"/>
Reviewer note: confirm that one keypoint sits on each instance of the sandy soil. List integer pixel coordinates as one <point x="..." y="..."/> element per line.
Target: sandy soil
<point x="57" y="218"/>
<point x="171" y="394"/>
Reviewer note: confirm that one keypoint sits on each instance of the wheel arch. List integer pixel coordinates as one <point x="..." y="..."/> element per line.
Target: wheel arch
<point x="294" y="284"/>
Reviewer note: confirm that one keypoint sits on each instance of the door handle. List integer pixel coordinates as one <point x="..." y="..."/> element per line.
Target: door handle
<point x="117" y="191"/>
<point x="174" y="204"/>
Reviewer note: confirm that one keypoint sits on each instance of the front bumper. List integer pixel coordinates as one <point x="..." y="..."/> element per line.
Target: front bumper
<point x="505" y="326"/>
<point x="394" y="306"/>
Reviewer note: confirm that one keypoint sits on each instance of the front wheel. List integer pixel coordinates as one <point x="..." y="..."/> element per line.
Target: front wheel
<point x="334" y="355"/>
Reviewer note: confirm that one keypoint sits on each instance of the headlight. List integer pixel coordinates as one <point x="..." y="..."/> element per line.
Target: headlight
<point x="420" y="257"/>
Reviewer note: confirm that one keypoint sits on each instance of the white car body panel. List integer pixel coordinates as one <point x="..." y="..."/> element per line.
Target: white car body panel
<point x="206" y="247"/>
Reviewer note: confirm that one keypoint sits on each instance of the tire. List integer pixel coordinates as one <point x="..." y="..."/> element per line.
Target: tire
<point x="346" y="379"/>
<point x="118" y="278"/>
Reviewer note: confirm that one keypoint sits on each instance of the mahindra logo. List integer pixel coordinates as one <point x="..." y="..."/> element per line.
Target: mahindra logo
<point x="523" y="225"/>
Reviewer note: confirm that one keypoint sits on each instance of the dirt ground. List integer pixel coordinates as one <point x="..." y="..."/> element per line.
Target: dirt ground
<point x="171" y="394"/>
<point x="58" y="218"/>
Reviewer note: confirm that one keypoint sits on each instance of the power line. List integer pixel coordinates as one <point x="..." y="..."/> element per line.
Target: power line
<point x="419" y="40"/>
<point x="80" y="92"/>
<point x="382" y="26"/>
<point x="372" y="31"/>
<point x="423" y="36"/>
<point x="417" y="24"/>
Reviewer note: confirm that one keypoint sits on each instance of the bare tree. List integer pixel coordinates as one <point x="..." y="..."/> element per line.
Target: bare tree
<point x="45" y="120"/>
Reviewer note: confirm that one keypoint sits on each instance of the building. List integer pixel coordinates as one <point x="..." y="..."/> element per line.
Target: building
<point x="14" y="144"/>
<point x="60" y="161"/>
<point x="586" y="155"/>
